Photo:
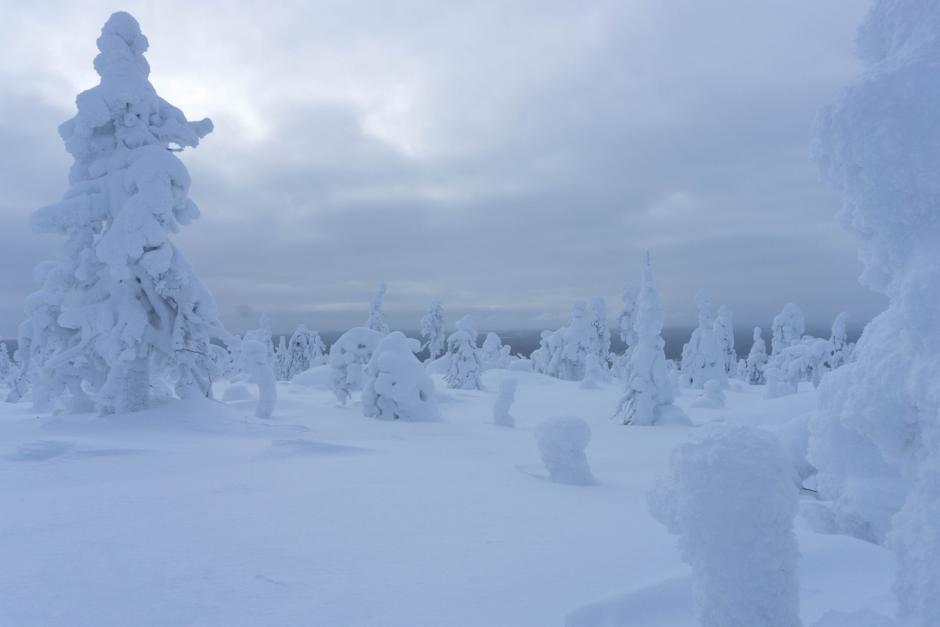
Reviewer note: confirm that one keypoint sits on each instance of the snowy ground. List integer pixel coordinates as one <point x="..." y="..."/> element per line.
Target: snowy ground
<point x="196" y="514"/>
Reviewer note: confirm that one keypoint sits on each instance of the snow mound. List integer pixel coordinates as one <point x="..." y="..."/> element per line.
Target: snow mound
<point x="318" y="377"/>
<point x="237" y="392"/>
<point x="561" y="443"/>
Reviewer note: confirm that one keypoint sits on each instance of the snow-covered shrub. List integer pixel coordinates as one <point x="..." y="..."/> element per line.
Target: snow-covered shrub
<point x="787" y="328"/>
<point x="376" y="320"/>
<point x="713" y="397"/>
<point x="562" y="442"/>
<point x="724" y="335"/>
<point x="348" y="355"/>
<point x="493" y="353"/>
<point x="702" y="358"/>
<point x="521" y="365"/>
<point x="549" y="343"/>
<point x="129" y="305"/>
<point x="305" y="350"/>
<point x="255" y="363"/>
<point x="776" y="383"/>
<point x="396" y="384"/>
<point x="432" y="330"/>
<point x="729" y="497"/>
<point x="647" y="399"/>
<point x="503" y="403"/>
<point x="806" y="360"/>
<point x="463" y="367"/>
<point x="842" y="349"/>
<point x="756" y="359"/>
<point x="876" y="143"/>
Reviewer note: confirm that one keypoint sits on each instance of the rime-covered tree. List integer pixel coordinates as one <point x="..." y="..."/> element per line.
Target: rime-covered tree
<point x="129" y="307"/>
<point x="396" y="385"/>
<point x="576" y="342"/>
<point x="648" y="397"/>
<point x="432" y="330"/>
<point x="601" y="328"/>
<point x="724" y="335"/>
<point x="376" y="320"/>
<point x="625" y="321"/>
<point x="6" y="363"/>
<point x="264" y="335"/>
<point x="702" y="359"/>
<point x="493" y="353"/>
<point x="787" y="329"/>
<point x="839" y="341"/>
<point x="463" y="367"/>
<point x="756" y="359"/>
<point x="878" y="424"/>
<point x="348" y="355"/>
<point x="542" y="356"/>
<point x="304" y="351"/>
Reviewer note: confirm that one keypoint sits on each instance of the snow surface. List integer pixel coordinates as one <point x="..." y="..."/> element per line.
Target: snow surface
<point x="197" y="513"/>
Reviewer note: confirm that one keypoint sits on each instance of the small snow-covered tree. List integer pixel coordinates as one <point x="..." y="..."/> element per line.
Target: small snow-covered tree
<point x="543" y="355"/>
<point x="787" y="329"/>
<point x="493" y="353"/>
<point x="304" y="351"/>
<point x="739" y="542"/>
<point x="396" y="384"/>
<point x="702" y="358"/>
<point x="562" y="442"/>
<point x="601" y="327"/>
<point x="264" y="335"/>
<point x="376" y="320"/>
<point x="130" y="308"/>
<point x="724" y="335"/>
<point x="648" y="397"/>
<point x="577" y="341"/>
<point x="625" y="321"/>
<point x="348" y="355"/>
<point x="841" y="347"/>
<point x="281" y="358"/>
<point x="463" y="367"/>
<point x="503" y="403"/>
<point x="255" y="362"/>
<point x="756" y="359"/>
<point x="432" y="330"/>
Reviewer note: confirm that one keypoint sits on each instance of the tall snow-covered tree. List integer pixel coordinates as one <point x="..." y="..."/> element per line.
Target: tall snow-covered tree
<point x="129" y="307"/>
<point x="576" y="342"/>
<point x="702" y="359"/>
<point x="724" y="335"/>
<point x="756" y="359"/>
<point x="376" y="320"/>
<point x="878" y="424"/>
<point x="787" y="329"/>
<point x="432" y="330"/>
<point x="648" y="397"/>
<point x="463" y="367"/>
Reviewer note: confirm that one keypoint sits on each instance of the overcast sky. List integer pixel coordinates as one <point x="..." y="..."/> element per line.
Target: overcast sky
<point x="507" y="157"/>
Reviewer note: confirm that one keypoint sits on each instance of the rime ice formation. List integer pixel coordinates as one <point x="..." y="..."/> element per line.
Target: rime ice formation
<point x="463" y="367"/>
<point x="305" y="350"/>
<point x="120" y="306"/>
<point x="787" y="328"/>
<point x="376" y="320"/>
<point x="493" y="353"/>
<point x="702" y="358"/>
<point x="649" y="393"/>
<point x="396" y="384"/>
<point x="878" y="424"/>
<point x="729" y="497"/>
<point x="255" y="362"/>
<point x="562" y="442"/>
<point x="348" y="355"/>
<point x="432" y="330"/>
<point x="756" y="360"/>
<point x="724" y="335"/>
<point x="503" y="403"/>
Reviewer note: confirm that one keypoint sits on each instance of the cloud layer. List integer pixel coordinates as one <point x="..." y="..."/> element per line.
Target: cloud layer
<point x="508" y="158"/>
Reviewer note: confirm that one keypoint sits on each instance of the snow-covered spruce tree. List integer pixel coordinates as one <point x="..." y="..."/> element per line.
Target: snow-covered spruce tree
<point x="304" y="351"/>
<point x="129" y="302"/>
<point x="542" y="356"/>
<point x="702" y="359"/>
<point x="738" y="540"/>
<point x="601" y="331"/>
<point x="493" y="353"/>
<point x="281" y="358"/>
<point x="787" y="328"/>
<point x="625" y="321"/>
<point x="463" y="367"/>
<point x="396" y="384"/>
<point x="376" y="320"/>
<point x="724" y="335"/>
<point x="348" y="355"/>
<point x="648" y="397"/>
<point x="577" y="340"/>
<point x="841" y="347"/>
<point x="756" y="359"/>
<point x="432" y="330"/>
<point x="876" y="434"/>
